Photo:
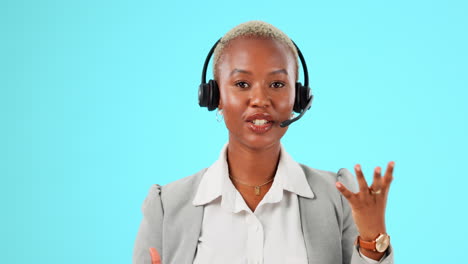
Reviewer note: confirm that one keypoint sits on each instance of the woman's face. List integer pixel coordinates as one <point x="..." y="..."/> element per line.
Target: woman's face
<point x="256" y="76"/>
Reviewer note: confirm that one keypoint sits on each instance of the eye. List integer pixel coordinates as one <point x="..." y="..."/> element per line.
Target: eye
<point x="277" y="84"/>
<point x="242" y="84"/>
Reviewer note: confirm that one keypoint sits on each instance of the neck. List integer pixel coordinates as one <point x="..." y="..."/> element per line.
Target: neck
<point x="252" y="166"/>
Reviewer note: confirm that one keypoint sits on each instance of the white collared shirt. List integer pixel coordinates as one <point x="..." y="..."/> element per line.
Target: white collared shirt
<point x="232" y="233"/>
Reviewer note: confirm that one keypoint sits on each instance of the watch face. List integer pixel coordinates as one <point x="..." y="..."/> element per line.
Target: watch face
<point x="382" y="242"/>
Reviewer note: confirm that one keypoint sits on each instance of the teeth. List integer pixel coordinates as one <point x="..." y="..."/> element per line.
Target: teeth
<point x="259" y="122"/>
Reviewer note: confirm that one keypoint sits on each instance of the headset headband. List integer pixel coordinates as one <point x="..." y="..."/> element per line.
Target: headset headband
<point x="301" y="57"/>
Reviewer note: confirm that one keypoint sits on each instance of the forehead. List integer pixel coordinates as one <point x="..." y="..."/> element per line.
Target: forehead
<point x="256" y="54"/>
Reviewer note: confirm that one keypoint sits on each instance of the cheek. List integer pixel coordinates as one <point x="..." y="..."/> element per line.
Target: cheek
<point x="230" y="99"/>
<point x="285" y="102"/>
<point x="233" y="106"/>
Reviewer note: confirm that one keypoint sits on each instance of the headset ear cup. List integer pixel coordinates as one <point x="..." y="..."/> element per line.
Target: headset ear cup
<point x="308" y="96"/>
<point x="297" y="100"/>
<point x="302" y="97"/>
<point x="202" y="94"/>
<point x="213" y="100"/>
<point x="305" y="96"/>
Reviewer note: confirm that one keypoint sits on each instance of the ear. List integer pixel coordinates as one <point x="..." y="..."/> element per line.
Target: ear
<point x="220" y="104"/>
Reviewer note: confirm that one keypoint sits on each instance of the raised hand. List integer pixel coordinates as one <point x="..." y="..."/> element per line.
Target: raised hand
<point x="155" y="258"/>
<point x="368" y="205"/>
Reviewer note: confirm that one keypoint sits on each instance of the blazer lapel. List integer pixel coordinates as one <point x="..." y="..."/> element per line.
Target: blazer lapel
<point x="182" y="222"/>
<point x="187" y="233"/>
<point x="319" y="223"/>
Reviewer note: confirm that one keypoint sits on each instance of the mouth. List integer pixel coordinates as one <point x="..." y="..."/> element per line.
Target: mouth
<point x="260" y="122"/>
<point x="260" y="126"/>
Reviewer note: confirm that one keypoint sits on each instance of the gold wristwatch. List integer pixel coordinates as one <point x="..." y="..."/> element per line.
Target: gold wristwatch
<point x="379" y="244"/>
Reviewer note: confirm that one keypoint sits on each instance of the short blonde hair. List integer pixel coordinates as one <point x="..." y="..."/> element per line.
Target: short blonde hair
<point x="254" y="28"/>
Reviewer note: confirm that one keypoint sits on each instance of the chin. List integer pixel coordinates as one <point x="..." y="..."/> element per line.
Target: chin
<point x="259" y="142"/>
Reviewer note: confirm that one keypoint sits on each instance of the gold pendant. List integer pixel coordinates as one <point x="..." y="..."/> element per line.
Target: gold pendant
<point x="257" y="190"/>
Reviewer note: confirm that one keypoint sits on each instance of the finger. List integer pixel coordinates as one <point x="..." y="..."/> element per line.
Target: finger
<point x="363" y="187"/>
<point x="155" y="258"/>
<point x="388" y="177"/>
<point x="346" y="193"/>
<point x="377" y="182"/>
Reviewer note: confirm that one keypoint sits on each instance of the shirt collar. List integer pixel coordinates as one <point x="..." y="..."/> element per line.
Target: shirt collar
<point x="215" y="183"/>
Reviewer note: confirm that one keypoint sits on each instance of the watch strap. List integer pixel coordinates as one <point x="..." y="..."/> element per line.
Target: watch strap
<point x="370" y="245"/>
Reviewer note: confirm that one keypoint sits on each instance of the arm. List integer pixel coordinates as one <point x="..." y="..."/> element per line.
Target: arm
<point x="150" y="231"/>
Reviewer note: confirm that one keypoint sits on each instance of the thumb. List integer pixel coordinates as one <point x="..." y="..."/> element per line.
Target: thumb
<point x="155" y="258"/>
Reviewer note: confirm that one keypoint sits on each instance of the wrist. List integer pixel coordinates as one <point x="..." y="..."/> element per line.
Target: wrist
<point x="374" y="248"/>
<point x="372" y="234"/>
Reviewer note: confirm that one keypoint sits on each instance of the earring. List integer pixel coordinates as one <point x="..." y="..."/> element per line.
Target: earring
<point x="292" y="114"/>
<point x="219" y="115"/>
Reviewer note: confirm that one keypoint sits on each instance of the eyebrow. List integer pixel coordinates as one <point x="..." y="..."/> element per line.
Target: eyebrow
<point x="247" y="72"/>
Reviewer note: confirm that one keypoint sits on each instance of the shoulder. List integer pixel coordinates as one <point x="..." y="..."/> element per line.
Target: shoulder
<point x="319" y="176"/>
<point x="184" y="183"/>
<point x="324" y="181"/>
<point x="183" y="190"/>
<point x="321" y="182"/>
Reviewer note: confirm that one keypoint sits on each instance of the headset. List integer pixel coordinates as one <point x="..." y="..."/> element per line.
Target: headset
<point x="208" y="92"/>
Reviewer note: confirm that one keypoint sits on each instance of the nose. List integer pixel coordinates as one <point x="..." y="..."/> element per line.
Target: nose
<point x="259" y="97"/>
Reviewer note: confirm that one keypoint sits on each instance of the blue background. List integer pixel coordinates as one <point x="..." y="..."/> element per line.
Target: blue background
<point x="98" y="100"/>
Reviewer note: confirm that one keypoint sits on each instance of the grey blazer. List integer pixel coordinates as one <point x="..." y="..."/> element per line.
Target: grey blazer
<point x="172" y="225"/>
